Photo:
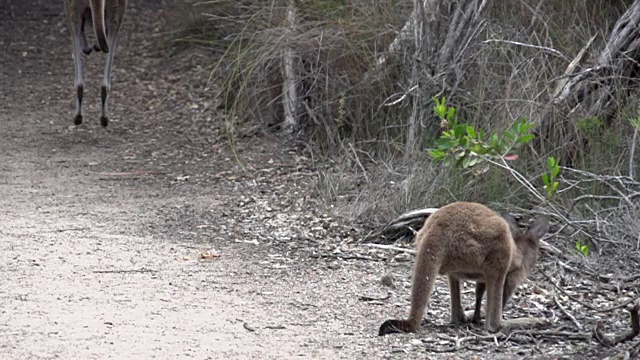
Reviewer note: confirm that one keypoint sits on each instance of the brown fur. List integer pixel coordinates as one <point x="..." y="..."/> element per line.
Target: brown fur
<point x="107" y="17"/>
<point x="468" y="241"/>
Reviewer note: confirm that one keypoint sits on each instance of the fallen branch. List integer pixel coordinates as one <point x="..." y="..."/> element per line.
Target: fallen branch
<point x="391" y="247"/>
<point x="607" y="340"/>
<point x="567" y="314"/>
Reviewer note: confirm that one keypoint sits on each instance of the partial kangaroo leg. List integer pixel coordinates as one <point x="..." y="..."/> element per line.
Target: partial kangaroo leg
<point x="83" y="38"/>
<point x="476" y="314"/>
<point x="495" y="286"/>
<point x="424" y="278"/>
<point x="457" y="312"/>
<point x="105" y="88"/>
<point x="115" y="15"/>
<point x="77" y="37"/>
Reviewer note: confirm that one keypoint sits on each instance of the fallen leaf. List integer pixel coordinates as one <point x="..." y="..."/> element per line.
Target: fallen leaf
<point x="209" y="254"/>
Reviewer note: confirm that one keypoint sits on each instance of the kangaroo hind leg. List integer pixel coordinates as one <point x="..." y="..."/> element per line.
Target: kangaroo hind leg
<point x="114" y="21"/>
<point x="76" y="23"/>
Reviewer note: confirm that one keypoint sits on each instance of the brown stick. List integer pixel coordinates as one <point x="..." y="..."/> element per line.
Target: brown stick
<point x="606" y="340"/>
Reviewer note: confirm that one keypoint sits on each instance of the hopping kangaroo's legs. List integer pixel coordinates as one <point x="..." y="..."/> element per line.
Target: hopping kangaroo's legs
<point x="75" y="15"/>
<point x="114" y="16"/>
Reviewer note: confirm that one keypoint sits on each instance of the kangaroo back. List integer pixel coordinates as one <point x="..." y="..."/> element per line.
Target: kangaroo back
<point x="99" y="27"/>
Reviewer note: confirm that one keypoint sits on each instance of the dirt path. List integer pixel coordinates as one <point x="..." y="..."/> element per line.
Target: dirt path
<point x="102" y="230"/>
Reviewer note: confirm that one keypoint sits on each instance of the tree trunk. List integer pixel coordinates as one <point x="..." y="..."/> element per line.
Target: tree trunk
<point x="594" y="89"/>
<point x="290" y="78"/>
<point x="437" y="64"/>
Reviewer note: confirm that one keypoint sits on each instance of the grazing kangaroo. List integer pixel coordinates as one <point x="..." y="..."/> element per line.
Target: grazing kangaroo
<point x="468" y="241"/>
<point x="106" y="16"/>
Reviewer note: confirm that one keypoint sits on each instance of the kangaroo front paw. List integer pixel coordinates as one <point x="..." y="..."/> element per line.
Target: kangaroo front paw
<point x="77" y="119"/>
<point x="104" y="121"/>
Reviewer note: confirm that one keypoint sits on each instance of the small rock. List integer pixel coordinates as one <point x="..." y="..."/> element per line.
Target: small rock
<point x="387" y="280"/>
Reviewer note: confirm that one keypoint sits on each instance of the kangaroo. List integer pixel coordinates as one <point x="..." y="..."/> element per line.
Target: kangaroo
<point x="469" y="241"/>
<point x="106" y="17"/>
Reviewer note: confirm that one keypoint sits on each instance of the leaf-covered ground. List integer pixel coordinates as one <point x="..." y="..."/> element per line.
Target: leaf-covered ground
<point x="155" y="238"/>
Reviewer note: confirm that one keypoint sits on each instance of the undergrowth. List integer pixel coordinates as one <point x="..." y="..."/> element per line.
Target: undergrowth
<point x="356" y="98"/>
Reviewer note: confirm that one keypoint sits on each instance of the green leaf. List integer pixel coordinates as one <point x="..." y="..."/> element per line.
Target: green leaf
<point x="555" y="171"/>
<point x="526" y="138"/>
<point x="526" y="126"/>
<point x="474" y="160"/>
<point x="509" y="136"/>
<point x="471" y="131"/>
<point x="451" y="113"/>
<point x="437" y="155"/>
<point x="551" y="162"/>
<point x="459" y="131"/>
<point x="546" y="180"/>
<point x="494" y="142"/>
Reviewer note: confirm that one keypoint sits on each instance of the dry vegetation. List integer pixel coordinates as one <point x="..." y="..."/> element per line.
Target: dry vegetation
<point x="361" y="84"/>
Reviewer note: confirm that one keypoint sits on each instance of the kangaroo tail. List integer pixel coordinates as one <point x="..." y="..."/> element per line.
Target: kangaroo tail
<point x="99" y="26"/>
<point x="424" y="278"/>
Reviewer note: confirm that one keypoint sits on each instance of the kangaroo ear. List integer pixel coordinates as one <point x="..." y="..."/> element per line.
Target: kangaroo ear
<point x="539" y="228"/>
<point x="513" y="224"/>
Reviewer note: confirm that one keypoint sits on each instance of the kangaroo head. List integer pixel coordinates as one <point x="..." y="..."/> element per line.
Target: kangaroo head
<point x="527" y="246"/>
<point x="528" y="242"/>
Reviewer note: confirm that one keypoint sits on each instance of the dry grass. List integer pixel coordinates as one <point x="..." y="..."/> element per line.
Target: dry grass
<point x="356" y="113"/>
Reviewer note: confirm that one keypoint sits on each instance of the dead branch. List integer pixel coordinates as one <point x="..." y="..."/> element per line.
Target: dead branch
<point x="567" y="313"/>
<point x="391" y="247"/>
<point x="403" y="227"/>
<point x="370" y="298"/>
<point x="607" y="340"/>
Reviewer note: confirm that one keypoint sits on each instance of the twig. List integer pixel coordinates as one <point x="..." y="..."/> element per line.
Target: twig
<point x="537" y="47"/>
<point x="555" y="333"/>
<point x="355" y="155"/>
<point x="632" y="151"/>
<point x="129" y="271"/>
<point x="606" y="340"/>
<point x="391" y="247"/>
<point x="370" y="298"/>
<point x="71" y="229"/>
<point x="567" y="314"/>
<point x="582" y="302"/>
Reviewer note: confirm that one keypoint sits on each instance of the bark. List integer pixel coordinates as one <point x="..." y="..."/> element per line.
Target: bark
<point x="290" y="78"/>
<point x="437" y="66"/>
